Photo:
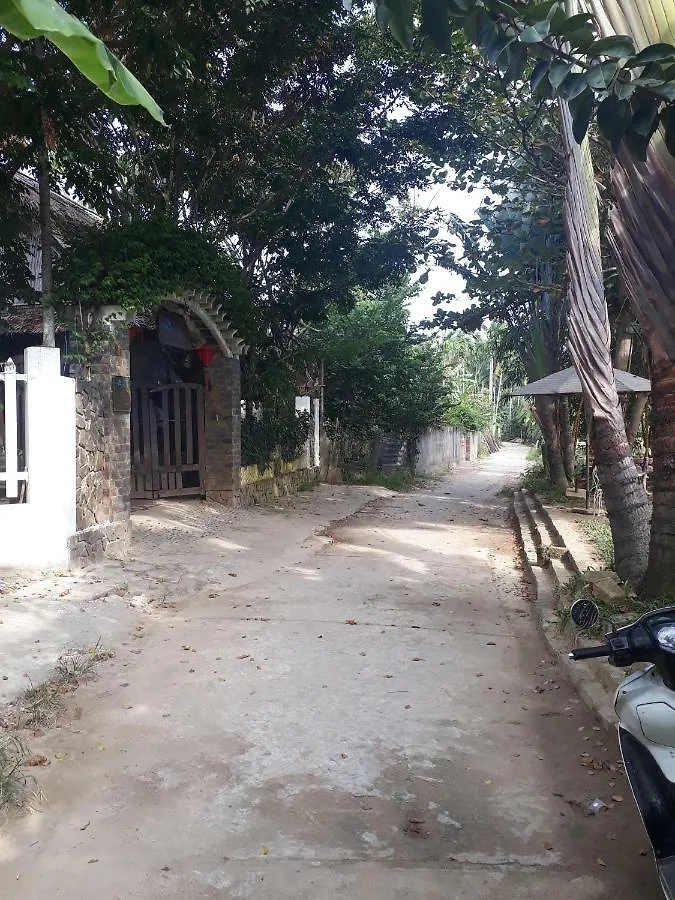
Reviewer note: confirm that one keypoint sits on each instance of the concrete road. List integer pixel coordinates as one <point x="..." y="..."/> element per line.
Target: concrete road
<point x="375" y="720"/>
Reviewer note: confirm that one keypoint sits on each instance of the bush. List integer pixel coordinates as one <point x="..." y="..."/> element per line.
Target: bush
<point x="276" y="434"/>
<point x="468" y="415"/>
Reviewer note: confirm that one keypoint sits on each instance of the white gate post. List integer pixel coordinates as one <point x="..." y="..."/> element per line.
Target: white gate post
<point x="316" y="405"/>
<point x="11" y="444"/>
<point x="51" y="444"/>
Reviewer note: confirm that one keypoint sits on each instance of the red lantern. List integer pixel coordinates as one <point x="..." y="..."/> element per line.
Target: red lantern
<point x="205" y="355"/>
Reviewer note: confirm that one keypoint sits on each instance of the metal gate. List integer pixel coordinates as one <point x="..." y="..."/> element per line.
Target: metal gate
<point x="167" y="441"/>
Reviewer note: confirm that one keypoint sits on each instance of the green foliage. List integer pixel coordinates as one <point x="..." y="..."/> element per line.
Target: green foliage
<point x="29" y="19"/>
<point x="599" y="533"/>
<point x="380" y="374"/>
<point x="537" y="482"/>
<point x="277" y="434"/>
<point x="137" y="264"/>
<point x="534" y="454"/>
<point x="589" y="73"/>
<point x="469" y="415"/>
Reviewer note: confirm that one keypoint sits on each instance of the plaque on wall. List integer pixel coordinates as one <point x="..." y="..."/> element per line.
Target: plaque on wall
<point x="121" y="394"/>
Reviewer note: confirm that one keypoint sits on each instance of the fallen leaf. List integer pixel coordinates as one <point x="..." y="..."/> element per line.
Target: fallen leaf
<point x="264" y="851"/>
<point x="600" y="861"/>
<point x="351" y="622"/>
<point x="617" y="798"/>
<point x="100" y="748"/>
<point x="244" y="656"/>
<point x="84" y="827"/>
<point x="488" y="781"/>
<point x="37" y="760"/>
<point x="92" y="860"/>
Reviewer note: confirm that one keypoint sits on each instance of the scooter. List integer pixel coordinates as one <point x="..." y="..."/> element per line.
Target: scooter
<point x="645" y="707"/>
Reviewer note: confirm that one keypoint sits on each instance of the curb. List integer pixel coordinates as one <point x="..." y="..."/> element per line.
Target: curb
<point x="593" y="681"/>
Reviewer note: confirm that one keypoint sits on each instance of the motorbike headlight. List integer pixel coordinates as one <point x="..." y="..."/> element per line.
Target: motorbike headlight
<point x="665" y="638"/>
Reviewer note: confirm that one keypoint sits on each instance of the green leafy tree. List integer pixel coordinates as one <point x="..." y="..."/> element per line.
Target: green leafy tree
<point x="381" y="376"/>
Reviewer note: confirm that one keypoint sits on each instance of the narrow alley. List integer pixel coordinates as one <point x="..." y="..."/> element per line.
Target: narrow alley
<point x="374" y="717"/>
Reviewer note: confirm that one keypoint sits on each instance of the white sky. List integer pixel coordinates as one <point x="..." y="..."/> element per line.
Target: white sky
<point x="463" y="204"/>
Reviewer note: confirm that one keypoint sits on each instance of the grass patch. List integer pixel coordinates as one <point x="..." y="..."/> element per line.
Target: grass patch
<point x="599" y="534"/>
<point x="401" y="481"/>
<point x="610" y="616"/>
<point x="13" y="780"/>
<point x="534" y="454"/>
<point x="306" y="486"/>
<point x="40" y="705"/>
<point x="536" y="481"/>
<point x="77" y="666"/>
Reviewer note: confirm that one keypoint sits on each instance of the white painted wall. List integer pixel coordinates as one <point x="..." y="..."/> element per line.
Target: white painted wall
<point x="441" y="449"/>
<point x="36" y="533"/>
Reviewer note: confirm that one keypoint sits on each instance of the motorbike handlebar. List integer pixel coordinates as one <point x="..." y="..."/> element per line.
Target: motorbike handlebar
<point x="590" y="652"/>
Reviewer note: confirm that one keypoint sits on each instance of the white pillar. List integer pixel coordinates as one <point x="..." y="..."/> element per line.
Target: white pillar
<point x="317" y="432"/>
<point x="51" y="448"/>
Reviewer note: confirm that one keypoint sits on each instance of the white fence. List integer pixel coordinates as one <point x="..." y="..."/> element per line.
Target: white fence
<point x="37" y="467"/>
<point x="12" y="432"/>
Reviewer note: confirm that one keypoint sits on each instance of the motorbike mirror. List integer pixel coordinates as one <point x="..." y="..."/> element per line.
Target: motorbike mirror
<point x="584" y="613"/>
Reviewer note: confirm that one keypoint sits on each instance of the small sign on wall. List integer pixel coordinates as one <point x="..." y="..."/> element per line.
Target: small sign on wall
<point x="121" y="394"/>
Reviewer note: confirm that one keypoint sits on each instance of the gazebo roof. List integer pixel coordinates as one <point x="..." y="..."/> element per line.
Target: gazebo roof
<point x="567" y="382"/>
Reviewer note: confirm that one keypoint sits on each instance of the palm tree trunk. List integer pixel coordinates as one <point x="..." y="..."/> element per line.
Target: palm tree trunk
<point x="589" y="339"/>
<point x="660" y="579"/>
<point x="642" y="225"/>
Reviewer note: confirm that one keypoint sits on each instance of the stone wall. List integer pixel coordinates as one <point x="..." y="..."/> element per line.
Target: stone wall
<point x="266" y="489"/>
<point x="222" y="430"/>
<point x="103" y="460"/>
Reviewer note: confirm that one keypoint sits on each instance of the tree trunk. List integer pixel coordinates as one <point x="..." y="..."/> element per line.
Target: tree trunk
<point x="642" y="224"/>
<point x="545" y="407"/>
<point x="660" y="580"/>
<point x="45" y="215"/>
<point x="44" y="185"/>
<point x="623" y="346"/>
<point x="566" y="438"/>
<point x="636" y="413"/>
<point x="589" y="339"/>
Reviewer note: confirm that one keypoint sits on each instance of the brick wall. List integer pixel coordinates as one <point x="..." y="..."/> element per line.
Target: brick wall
<point x="222" y="430"/>
<point x="103" y="460"/>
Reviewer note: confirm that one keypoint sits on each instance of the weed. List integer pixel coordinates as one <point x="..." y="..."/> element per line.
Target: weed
<point x="77" y="666"/>
<point x="13" y="781"/>
<point x="306" y="486"/>
<point x="534" y="454"/>
<point x="536" y="481"/>
<point x="401" y="481"/>
<point x="40" y="705"/>
<point x="599" y="534"/>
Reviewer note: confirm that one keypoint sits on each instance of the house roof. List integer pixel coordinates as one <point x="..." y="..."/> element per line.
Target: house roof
<point x="567" y="382"/>
<point x="69" y="219"/>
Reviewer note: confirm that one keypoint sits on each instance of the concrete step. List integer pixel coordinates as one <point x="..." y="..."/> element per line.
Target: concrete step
<point x="524" y="534"/>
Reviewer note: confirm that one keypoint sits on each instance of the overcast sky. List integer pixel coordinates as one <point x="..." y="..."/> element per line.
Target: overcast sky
<point x="463" y="204"/>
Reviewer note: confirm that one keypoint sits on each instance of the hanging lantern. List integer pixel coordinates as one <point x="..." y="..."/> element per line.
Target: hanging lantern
<point x="205" y="354"/>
